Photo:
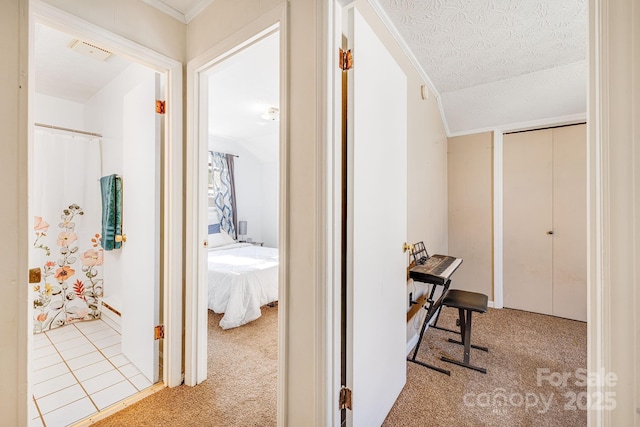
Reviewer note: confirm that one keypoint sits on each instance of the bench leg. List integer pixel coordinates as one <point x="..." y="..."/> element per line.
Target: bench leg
<point x="465" y="331"/>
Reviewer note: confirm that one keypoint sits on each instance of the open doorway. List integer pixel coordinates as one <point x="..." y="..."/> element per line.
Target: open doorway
<point x="235" y="220"/>
<point x="240" y="122"/>
<point x="94" y="188"/>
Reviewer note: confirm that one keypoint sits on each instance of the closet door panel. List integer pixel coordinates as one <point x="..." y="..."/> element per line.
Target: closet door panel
<point x="570" y="222"/>
<point x="527" y="217"/>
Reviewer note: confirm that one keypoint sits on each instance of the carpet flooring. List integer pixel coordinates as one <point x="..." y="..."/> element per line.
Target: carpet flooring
<point x="240" y="389"/>
<point x="534" y="374"/>
<point x="533" y="378"/>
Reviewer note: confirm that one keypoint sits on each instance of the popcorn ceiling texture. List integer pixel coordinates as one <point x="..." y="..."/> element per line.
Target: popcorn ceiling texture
<point x="463" y="44"/>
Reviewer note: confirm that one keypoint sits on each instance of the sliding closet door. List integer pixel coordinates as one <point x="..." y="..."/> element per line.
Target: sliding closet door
<point x="570" y="222"/>
<point x="528" y="183"/>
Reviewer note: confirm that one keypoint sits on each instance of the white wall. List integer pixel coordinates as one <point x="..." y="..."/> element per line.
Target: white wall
<point x="104" y="113"/>
<point x="270" y="192"/>
<point x="58" y="112"/>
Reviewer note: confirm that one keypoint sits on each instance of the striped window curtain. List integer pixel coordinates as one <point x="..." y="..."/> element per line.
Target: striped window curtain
<point x="224" y="191"/>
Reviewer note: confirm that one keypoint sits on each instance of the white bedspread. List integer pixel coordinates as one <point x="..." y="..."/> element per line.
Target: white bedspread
<point x="242" y="278"/>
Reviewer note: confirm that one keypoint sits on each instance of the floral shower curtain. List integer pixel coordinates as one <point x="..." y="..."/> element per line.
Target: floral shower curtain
<point x="224" y="191"/>
<point x="65" y="204"/>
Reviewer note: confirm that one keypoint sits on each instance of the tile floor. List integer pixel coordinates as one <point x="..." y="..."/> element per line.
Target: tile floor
<point x="78" y="370"/>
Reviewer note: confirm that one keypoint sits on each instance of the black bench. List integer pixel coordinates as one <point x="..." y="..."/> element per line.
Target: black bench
<point x="466" y="302"/>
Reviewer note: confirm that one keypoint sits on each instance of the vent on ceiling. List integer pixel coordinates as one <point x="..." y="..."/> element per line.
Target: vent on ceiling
<point x="90" y="50"/>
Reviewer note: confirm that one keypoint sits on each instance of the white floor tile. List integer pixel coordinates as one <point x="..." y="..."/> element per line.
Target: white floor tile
<point x="54" y="384"/>
<point x="72" y="343"/>
<point x="60" y="398"/>
<point x="102" y="381"/>
<point x="95" y="336"/>
<point x="107" y="342"/>
<point x="129" y="370"/>
<point x="70" y="414"/>
<point x="43" y="352"/>
<point x="40" y="340"/>
<point x="36" y="422"/>
<point x="113" y="394"/>
<point x="119" y="360"/>
<point x="141" y="382"/>
<point x="33" y="410"/>
<point x="63" y="333"/>
<point x="85" y="360"/>
<point x="72" y="353"/>
<point x="49" y="372"/>
<point x="93" y="326"/>
<point x="93" y="370"/>
<point x="43" y="362"/>
<point x="112" y="350"/>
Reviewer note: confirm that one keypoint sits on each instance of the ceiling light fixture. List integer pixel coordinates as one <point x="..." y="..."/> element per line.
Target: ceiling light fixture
<point x="272" y="114"/>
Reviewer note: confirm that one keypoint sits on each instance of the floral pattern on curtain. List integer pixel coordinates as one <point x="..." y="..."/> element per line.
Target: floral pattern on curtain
<point x="224" y="191"/>
<point x="66" y="244"/>
<point x="62" y="296"/>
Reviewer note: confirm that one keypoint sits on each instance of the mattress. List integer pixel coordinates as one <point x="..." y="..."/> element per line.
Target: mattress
<point x="241" y="279"/>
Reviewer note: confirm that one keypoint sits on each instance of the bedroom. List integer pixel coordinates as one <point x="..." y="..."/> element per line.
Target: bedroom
<point x="241" y="95"/>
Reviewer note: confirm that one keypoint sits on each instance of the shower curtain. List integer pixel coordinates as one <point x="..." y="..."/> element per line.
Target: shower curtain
<point x="65" y="204"/>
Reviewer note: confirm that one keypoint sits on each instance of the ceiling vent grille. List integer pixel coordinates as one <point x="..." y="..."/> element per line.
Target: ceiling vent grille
<point x="90" y="50"/>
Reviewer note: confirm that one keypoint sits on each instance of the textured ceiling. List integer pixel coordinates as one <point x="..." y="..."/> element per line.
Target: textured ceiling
<point x="241" y="88"/>
<point x="465" y="44"/>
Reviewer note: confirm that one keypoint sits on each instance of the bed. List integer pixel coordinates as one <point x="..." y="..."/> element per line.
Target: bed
<point x="242" y="278"/>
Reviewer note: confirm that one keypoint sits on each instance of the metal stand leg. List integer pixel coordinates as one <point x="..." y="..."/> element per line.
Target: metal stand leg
<point x="415" y="352"/>
<point x="465" y="331"/>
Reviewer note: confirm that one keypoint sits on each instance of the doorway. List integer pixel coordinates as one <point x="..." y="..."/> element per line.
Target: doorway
<point x="237" y="220"/>
<point x="99" y="294"/>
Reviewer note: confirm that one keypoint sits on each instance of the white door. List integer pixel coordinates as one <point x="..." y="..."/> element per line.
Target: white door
<point x="141" y="224"/>
<point x="377" y="222"/>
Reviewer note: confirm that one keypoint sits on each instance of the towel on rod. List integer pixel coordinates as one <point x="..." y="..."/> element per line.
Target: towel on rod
<point x="111" y="187"/>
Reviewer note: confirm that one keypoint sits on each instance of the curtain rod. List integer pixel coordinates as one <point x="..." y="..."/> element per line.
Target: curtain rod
<point x="42" y="125"/>
<point x="226" y="154"/>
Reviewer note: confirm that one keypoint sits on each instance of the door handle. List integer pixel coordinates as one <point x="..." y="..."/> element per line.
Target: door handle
<point x="406" y="247"/>
<point x="550" y="232"/>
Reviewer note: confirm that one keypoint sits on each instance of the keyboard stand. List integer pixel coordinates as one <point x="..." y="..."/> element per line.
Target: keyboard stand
<point x="432" y="307"/>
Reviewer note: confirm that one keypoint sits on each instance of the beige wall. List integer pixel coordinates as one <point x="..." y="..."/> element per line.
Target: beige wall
<point x="13" y="251"/>
<point x="614" y="213"/>
<point x="304" y="357"/>
<point x="470" y="169"/>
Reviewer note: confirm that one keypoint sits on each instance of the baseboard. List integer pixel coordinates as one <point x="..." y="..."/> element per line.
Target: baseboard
<point x="490" y="304"/>
<point x="412" y="343"/>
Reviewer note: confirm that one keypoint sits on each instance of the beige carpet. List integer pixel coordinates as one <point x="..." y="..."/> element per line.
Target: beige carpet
<point x="519" y="344"/>
<point x="240" y="389"/>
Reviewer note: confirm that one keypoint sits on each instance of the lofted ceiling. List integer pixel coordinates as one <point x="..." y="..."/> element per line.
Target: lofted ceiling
<point x="64" y="73"/>
<point x="496" y="63"/>
<point x="240" y="90"/>
<point x="491" y="63"/>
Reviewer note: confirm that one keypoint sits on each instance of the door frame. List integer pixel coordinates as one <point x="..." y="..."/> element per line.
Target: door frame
<point x="171" y="180"/>
<point x="196" y="286"/>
